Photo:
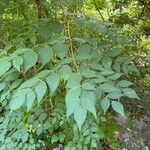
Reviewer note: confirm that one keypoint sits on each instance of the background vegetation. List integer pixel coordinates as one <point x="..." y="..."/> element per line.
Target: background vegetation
<point x="74" y="74"/>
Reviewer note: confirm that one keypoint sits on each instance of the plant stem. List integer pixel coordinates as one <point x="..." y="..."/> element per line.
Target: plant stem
<point x="71" y="46"/>
<point x="98" y="10"/>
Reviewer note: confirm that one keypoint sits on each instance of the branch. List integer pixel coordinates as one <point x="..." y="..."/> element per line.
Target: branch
<point x="38" y="8"/>
<point x="98" y="10"/>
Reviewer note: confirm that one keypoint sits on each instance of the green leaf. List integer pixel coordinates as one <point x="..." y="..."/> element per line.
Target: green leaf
<point x="29" y="83"/>
<point x="128" y="68"/>
<point x="107" y="72"/>
<point x="18" y="99"/>
<point x="30" y="97"/>
<point x="114" y="52"/>
<point x="61" y="49"/>
<point x="44" y="31"/>
<point x="80" y="115"/>
<point x="40" y="90"/>
<point x="30" y="59"/>
<point x="89" y="94"/>
<point x="99" y="79"/>
<point x="73" y="80"/>
<point x="118" y="107"/>
<point x="84" y="52"/>
<point x="54" y="139"/>
<point x="46" y="125"/>
<point x="124" y="83"/>
<point x="17" y="62"/>
<point x="72" y="100"/>
<point x="62" y="137"/>
<point x="88" y="73"/>
<point x="43" y="74"/>
<point x="96" y="66"/>
<point x="130" y="93"/>
<point x="16" y="83"/>
<point x="106" y="62"/>
<point x="53" y="82"/>
<point x="45" y="53"/>
<point x="39" y="130"/>
<point x="115" y="95"/>
<point x="21" y="92"/>
<point x="93" y="144"/>
<point x="115" y="76"/>
<point x="105" y="104"/>
<point x="117" y="67"/>
<point x="4" y="67"/>
<point x="88" y="86"/>
<point x="98" y="93"/>
<point x="65" y="71"/>
<point x="2" y="85"/>
<point x="108" y="87"/>
<point x="4" y="95"/>
<point x="89" y="105"/>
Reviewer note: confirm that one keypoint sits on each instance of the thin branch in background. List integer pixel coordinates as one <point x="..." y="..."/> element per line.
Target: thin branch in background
<point x="98" y="10"/>
<point x="38" y="8"/>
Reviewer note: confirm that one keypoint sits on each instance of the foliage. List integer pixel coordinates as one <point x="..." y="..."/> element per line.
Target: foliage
<point x="61" y="73"/>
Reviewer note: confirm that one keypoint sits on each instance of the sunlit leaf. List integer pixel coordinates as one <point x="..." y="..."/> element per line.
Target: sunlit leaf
<point x="118" y="107"/>
<point x="72" y="100"/>
<point x="60" y="49"/>
<point x="17" y="62"/>
<point x="30" y="97"/>
<point x="45" y="53"/>
<point x="4" y="67"/>
<point x="89" y="105"/>
<point x="80" y="116"/>
<point x="53" y="82"/>
<point x="115" y="95"/>
<point x="30" y="59"/>
<point x="73" y="80"/>
<point x="105" y="104"/>
<point x="19" y="98"/>
<point x="130" y="93"/>
<point x="108" y="87"/>
<point x="124" y="83"/>
<point x="29" y="83"/>
<point x="40" y="90"/>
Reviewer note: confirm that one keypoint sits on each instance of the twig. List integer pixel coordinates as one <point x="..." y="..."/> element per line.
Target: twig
<point x="71" y="46"/>
<point x="98" y="10"/>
